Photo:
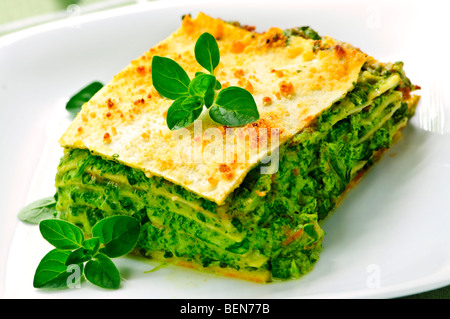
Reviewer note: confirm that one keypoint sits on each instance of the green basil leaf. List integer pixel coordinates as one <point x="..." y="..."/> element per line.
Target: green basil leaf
<point x="61" y="234"/>
<point x="102" y="272"/>
<point x="52" y="271"/>
<point x="234" y="106"/>
<point x="76" y="101"/>
<point x="183" y="112"/>
<point x="207" y="52"/>
<point x="33" y="213"/>
<point x="118" y="234"/>
<point x="203" y="86"/>
<point x="169" y="78"/>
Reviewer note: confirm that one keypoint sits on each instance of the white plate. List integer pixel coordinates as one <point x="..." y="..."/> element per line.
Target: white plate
<point x="389" y="238"/>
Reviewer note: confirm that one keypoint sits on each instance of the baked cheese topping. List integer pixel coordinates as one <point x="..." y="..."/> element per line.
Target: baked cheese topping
<point x="291" y="83"/>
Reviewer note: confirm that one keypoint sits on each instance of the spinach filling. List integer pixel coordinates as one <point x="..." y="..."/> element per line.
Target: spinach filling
<point x="271" y="222"/>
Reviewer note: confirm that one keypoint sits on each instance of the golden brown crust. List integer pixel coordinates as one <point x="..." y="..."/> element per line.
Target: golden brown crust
<point x="127" y="116"/>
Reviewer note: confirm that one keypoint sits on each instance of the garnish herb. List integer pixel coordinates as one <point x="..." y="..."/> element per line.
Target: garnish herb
<point x="207" y="52"/>
<point x="102" y="272"/>
<point x="62" y="235"/>
<point x="233" y="106"/>
<point x="183" y="112"/>
<point x="111" y="237"/>
<point x="52" y="270"/>
<point x="76" y="101"/>
<point x="169" y="78"/>
<point x="118" y="234"/>
<point x="33" y="213"/>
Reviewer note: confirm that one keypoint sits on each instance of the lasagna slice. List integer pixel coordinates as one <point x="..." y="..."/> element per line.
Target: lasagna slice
<point x="216" y="198"/>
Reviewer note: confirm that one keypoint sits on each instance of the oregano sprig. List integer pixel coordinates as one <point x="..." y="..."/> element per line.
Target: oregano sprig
<point x="112" y="237"/>
<point x="233" y="106"/>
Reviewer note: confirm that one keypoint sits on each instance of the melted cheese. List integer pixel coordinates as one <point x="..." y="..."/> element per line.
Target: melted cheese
<point x="291" y="84"/>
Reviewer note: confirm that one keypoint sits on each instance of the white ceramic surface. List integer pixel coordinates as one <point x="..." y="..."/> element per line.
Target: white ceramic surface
<point x="390" y="236"/>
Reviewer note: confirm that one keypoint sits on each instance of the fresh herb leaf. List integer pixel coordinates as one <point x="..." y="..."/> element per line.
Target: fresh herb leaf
<point x="207" y="52"/>
<point x="234" y="106"/>
<point x="90" y="248"/>
<point x="92" y="244"/>
<point x="183" y="112"/>
<point x="52" y="270"/>
<point x="102" y="272"/>
<point x="217" y="86"/>
<point x="61" y="234"/>
<point x="169" y="78"/>
<point x="118" y="234"/>
<point x="38" y="210"/>
<point x="111" y="237"/>
<point x="76" y="101"/>
<point x="78" y="256"/>
<point x="203" y="86"/>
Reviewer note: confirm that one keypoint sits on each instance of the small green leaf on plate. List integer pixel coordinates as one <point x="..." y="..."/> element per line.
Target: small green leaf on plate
<point x="76" y="101"/>
<point x="33" y="213"/>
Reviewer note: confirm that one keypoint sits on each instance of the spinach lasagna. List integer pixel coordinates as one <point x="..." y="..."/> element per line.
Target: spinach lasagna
<point x="327" y="110"/>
